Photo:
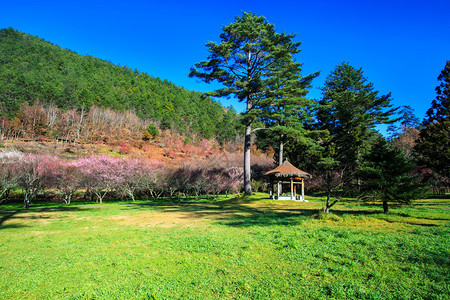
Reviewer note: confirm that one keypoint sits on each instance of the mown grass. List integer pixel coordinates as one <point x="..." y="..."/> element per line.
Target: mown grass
<point x="246" y="248"/>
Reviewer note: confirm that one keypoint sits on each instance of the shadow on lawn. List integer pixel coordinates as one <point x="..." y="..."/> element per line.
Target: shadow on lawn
<point x="266" y="216"/>
<point x="233" y="212"/>
<point x="9" y="215"/>
<point x="243" y="213"/>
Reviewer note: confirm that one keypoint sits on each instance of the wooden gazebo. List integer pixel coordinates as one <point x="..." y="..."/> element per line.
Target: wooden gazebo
<point x="287" y="174"/>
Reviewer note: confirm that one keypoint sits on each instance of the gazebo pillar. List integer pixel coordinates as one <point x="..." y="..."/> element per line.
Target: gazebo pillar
<point x="303" y="191"/>
<point x="271" y="187"/>
<point x="292" y="188"/>
<point x="278" y="189"/>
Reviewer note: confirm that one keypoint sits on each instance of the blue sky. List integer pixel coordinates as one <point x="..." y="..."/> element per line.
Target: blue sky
<point x="402" y="46"/>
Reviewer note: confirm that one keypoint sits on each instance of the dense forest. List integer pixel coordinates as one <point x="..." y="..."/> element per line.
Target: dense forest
<point x="33" y="69"/>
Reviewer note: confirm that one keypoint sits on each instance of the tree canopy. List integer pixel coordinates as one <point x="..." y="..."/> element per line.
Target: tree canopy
<point x="349" y="110"/>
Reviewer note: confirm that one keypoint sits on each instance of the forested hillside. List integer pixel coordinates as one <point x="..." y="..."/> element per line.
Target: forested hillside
<point x="31" y="68"/>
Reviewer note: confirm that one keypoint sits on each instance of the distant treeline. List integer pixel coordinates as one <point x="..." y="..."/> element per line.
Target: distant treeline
<point x="31" y="68"/>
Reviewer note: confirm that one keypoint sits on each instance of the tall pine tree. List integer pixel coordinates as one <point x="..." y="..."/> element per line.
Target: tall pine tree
<point x="349" y="111"/>
<point x="433" y="146"/>
<point x="289" y="111"/>
<point x="249" y="59"/>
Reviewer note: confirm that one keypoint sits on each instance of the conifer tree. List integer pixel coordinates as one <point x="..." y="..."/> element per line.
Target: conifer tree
<point x="249" y="59"/>
<point x="433" y="147"/>
<point x="385" y="176"/>
<point x="349" y="111"/>
<point x="289" y="112"/>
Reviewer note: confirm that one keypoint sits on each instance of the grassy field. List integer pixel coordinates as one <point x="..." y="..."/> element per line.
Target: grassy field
<point x="237" y="248"/>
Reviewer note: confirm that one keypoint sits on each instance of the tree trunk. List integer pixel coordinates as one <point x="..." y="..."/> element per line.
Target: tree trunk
<point x="280" y="153"/>
<point x="27" y="200"/>
<point x="385" y="207"/>
<point x="247" y="169"/>
<point x="329" y="205"/>
<point x="77" y="135"/>
<point x="326" y="209"/>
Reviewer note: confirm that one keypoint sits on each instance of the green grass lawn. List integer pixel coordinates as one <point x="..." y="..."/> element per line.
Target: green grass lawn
<point x="237" y="248"/>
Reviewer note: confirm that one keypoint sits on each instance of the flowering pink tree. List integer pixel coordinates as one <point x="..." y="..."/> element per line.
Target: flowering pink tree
<point x="137" y="175"/>
<point x="8" y="171"/>
<point x="197" y="180"/>
<point x="69" y="181"/>
<point x="155" y="183"/>
<point x="189" y="180"/>
<point x="103" y="174"/>
<point x="216" y="182"/>
<point x="234" y="180"/>
<point x="100" y="174"/>
<point x="36" y="173"/>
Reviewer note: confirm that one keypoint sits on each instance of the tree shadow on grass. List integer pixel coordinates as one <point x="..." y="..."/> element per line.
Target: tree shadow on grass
<point x="266" y="216"/>
<point x="241" y="214"/>
<point x="233" y="212"/>
<point x="244" y="213"/>
<point x="10" y="215"/>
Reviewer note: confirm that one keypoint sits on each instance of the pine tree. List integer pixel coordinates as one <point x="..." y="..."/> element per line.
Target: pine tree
<point x="433" y="147"/>
<point x="290" y="111"/>
<point x="349" y="111"/>
<point x="385" y="175"/>
<point x="250" y="58"/>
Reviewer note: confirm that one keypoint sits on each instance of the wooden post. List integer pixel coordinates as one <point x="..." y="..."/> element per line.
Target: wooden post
<point x="278" y="190"/>
<point x="292" y="188"/>
<point x="303" y="191"/>
<point x="295" y="192"/>
<point x="271" y="187"/>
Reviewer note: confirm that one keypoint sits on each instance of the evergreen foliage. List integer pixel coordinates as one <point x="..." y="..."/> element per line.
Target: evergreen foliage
<point x="290" y="111"/>
<point x="151" y="132"/>
<point x="348" y="112"/>
<point x="386" y="175"/>
<point x="31" y="68"/>
<point x="433" y="148"/>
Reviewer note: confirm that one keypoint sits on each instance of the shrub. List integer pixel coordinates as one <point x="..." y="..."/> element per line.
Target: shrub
<point x="151" y="132"/>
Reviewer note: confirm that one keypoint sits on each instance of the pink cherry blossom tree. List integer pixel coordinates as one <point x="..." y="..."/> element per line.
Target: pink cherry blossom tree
<point x="137" y="175"/>
<point x="100" y="174"/>
<point x="69" y="182"/>
<point x="8" y="171"/>
<point x="155" y="183"/>
<point x="36" y="173"/>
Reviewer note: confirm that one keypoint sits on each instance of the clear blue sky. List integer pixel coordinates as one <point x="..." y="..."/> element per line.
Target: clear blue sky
<point x="402" y="45"/>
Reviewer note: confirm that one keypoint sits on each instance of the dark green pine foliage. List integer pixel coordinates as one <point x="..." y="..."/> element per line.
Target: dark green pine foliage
<point x="386" y="176"/>
<point x="289" y="111"/>
<point x="433" y="146"/>
<point x="32" y="68"/>
<point x="348" y="111"/>
<point x="250" y="57"/>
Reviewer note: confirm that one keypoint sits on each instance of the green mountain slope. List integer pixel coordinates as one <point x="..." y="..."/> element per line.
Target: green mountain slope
<point x="32" y="68"/>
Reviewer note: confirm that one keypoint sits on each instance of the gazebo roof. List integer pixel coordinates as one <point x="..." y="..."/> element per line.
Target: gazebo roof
<point x="288" y="170"/>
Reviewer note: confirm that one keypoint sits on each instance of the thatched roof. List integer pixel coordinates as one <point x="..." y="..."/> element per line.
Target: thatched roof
<point x="288" y="170"/>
